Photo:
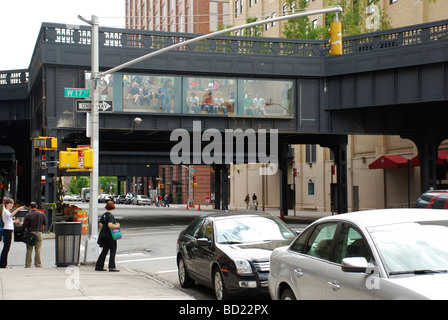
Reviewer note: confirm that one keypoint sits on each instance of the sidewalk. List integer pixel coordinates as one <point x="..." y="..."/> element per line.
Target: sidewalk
<point x="83" y="283"/>
<point x="77" y="283"/>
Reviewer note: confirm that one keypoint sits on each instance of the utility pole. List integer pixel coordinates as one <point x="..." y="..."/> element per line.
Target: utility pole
<point x="91" y="247"/>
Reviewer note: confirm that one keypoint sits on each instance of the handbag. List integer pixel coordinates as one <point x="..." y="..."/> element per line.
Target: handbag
<point x="116" y="232"/>
<point x="29" y="238"/>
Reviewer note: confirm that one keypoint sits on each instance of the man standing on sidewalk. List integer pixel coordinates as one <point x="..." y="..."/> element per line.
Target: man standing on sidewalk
<point x="34" y="222"/>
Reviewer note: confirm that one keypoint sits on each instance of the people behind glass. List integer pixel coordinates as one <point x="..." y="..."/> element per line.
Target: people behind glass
<point x="141" y="92"/>
<point x="168" y="89"/>
<point x="254" y="107"/>
<point x="146" y="95"/>
<point x="193" y="104"/>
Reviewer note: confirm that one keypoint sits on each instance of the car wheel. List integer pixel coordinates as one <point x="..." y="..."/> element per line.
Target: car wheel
<point x="219" y="286"/>
<point x="287" y="294"/>
<point x="184" y="278"/>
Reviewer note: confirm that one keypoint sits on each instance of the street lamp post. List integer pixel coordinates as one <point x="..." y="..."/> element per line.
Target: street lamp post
<point x="91" y="246"/>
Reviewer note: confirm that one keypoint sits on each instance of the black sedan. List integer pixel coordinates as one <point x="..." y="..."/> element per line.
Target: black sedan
<point x="230" y="252"/>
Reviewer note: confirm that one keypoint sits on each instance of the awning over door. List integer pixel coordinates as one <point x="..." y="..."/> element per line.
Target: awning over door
<point x="389" y="161"/>
<point x="442" y="158"/>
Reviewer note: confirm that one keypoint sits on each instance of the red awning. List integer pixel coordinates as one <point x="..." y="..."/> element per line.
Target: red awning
<point x="442" y="158"/>
<point x="389" y="161"/>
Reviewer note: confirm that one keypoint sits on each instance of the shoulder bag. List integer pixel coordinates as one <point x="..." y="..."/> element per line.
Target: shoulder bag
<point x="30" y="238"/>
<point x="116" y="232"/>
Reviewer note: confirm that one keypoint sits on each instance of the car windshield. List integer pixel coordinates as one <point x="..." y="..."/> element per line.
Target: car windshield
<point x="251" y="229"/>
<point x="413" y="248"/>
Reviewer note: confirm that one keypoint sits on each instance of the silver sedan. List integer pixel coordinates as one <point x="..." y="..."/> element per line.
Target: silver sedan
<point x="377" y="254"/>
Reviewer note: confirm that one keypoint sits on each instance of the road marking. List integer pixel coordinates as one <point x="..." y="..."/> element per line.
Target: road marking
<point x="167" y="271"/>
<point x="147" y="259"/>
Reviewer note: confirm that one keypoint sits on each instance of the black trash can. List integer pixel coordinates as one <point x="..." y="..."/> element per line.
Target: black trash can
<point x="67" y="243"/>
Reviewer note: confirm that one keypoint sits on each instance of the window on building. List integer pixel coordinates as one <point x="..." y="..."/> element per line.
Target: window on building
<point x="310" y="188"/>
<point x="213" y="14"/>
<point x="393" y="1"/>
<point x="310" y="153"/>
<point x="180" y="22"/>
<point x="236" y="8"/>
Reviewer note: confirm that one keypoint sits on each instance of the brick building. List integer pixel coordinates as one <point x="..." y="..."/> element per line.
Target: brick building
<point x="192" y="16"/>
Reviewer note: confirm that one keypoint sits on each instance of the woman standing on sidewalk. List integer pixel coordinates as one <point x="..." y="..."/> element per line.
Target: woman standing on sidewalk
<point x="8" y="230"/>
<point x="105" y="239"/>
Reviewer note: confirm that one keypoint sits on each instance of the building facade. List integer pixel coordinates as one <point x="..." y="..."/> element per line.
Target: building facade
<point x="192" y="16"/>
<point x="400" y="12"/>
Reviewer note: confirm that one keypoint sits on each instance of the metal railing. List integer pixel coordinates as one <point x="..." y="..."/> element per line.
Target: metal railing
<point x="155" y="40"/>
<point x="13" y="77"/>
<point x="147" y="41"/>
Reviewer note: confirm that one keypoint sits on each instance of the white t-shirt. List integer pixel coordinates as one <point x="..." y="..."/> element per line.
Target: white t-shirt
<point x="7" y="220"/>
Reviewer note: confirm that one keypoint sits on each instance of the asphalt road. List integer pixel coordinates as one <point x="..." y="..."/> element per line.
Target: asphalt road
<point x="148" y="244"/>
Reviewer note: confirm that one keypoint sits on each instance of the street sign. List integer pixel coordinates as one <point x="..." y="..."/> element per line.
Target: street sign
<point x="85" y="106"/>
<point x="76" y="93"/>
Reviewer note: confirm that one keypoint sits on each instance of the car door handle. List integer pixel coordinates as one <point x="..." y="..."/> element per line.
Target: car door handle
<point x="298" y="272"/>
<point x="334" y="285"/>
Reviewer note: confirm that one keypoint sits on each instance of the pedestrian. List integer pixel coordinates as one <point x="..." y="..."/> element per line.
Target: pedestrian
<point x="247" y="200"/>
<point x="8" y="229"/>
<point x="255" y="201"/>
<point x="34" y="222"/>
<point x="105" y="239"/>
<point x="167" y="200"/>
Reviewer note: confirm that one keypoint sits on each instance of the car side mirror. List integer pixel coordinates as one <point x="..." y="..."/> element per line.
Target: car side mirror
<point x="203" y="242"/>
<point x="354" y="264"/>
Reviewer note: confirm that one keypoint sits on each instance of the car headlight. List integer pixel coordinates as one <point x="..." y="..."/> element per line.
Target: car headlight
<point x="243" y="266"/>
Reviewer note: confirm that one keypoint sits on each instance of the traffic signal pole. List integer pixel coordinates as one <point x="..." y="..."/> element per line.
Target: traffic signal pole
<point x="91" y="249"/>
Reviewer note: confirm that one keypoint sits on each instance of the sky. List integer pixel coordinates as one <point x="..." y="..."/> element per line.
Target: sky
<point x="20" y="23"/>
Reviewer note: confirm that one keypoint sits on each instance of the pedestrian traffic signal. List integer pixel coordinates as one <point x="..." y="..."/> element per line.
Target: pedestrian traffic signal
<point x="76" y="159"/>
<point x="335" y="38"/>
<point x="68" y="160"/>
<point x="46" y="143"/>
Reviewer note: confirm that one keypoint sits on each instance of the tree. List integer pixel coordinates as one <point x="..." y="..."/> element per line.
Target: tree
<point x="358" y="17"/>
<point x="300" y="28"/>
<point x="76" y="184"/>
<point x="253" y="31"/>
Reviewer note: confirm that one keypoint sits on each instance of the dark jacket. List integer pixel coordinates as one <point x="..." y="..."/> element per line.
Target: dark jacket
<point x="33" y="219"/>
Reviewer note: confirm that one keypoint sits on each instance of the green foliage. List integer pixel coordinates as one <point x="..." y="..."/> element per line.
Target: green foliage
<point x="253" y="31"/>
<point x="355" y="19"/>
<point x="77" y="183"/>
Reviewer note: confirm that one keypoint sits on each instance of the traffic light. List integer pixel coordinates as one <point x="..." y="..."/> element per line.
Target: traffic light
<point x="335" y="38"/>
<point x="46" y="143"/>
